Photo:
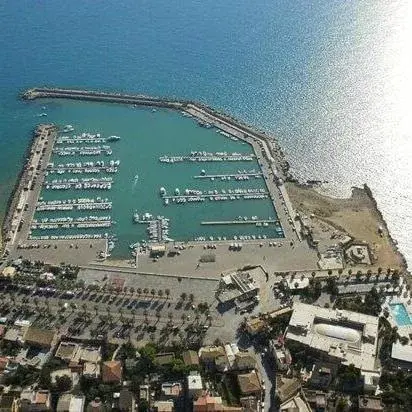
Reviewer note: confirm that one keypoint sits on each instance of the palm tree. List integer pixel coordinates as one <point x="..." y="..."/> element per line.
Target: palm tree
<point x="133" y="312"/>
<point x="131" y="290"/>
<point x="153" y="293"/>
<point x="84" y="307"/>
<point x="160" y="293"/>
<point x="139" y="291"/>
<point x="121" y="313"/>
<point x="191" y="297"/>
<point x="158" y="315"/>
<point x="145" y="291"/>
<point x="183" y="296"/>
<point x="167" y="293"/>
<point x="183" y="318"/>
<point x="145" y="313"/>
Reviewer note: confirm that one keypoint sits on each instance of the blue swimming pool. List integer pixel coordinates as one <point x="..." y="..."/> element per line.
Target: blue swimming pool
<point x="400" y="314"/>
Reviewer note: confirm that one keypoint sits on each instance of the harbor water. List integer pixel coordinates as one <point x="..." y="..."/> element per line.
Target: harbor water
<point x="145" y="137"/>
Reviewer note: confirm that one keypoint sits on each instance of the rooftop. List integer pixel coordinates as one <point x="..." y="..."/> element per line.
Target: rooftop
<point x="190" y="358"/>
<point x="402" y="352"/>
<point x="350" y="336"/>
<point x="296" y="404"/>
<point x="171" y="389"/>
<point x="112" y="371"/>
<point x="249" y="383"/>
<point x="39" y="337"/>
<point x="194" y="381"/>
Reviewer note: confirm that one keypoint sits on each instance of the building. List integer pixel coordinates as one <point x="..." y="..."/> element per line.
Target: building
<point x="337" y="336"/>
<point x="194" y="384"/>
<point x="402" y="355"/>
<point x="127" y="401"/>
<point x="70" y="403"/>
<point x="8" y="403"/>
<point x="214" y="356"/>
<point x="370" y="404"/>
<point x="249" y="383"/>
<point x="66" y="351"/>
<point x="75" y="353"/>
<point x="190" y="358"/>
<point x="171" y="389"/>
<point x="144" y="393"/>
<point x="96" y="405"/>
<point x="237" y="286"/>
<point x="286" y="388"/>
<point x="207" y="403"/>
<point x="244" y="361"/>
<point x="91" y="370"/>
<point x="295" y="404"/>
<point x="164" y="358"/>
<point x="281" y="354"/>
<point x="39" y="338"/>
<point x="317" y="400"/>
<point x="322" y="375"/>
<point x="112" y="372"/>
<point x="164" y="406"/>
<point x="35" y="401"/>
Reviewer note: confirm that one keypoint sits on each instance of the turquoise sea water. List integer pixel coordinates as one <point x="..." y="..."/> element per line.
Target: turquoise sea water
<point x="330" y="79"/>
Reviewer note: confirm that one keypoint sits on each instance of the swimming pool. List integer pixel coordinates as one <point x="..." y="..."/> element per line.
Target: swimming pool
<point x="400" y="314"/>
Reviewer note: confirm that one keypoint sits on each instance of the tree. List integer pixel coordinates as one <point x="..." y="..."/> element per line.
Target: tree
<point x="183" y="296"/>
<point x="139" y="291"/>
<point x="63" y="383"/>
<point x="143" y="406"/>
<point x="160" y="293"/>
<point x="167" y="293"/>
<point x="145" y="291"/>
<point x="153" y="292"/>
<point x="191" y="297"/>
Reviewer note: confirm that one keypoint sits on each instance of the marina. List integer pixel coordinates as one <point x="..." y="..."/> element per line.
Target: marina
<point x="150" y="150"/>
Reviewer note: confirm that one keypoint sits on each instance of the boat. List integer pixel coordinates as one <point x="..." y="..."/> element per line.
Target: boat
<point x="113" y="138"/>
<point x="42" y="115"/>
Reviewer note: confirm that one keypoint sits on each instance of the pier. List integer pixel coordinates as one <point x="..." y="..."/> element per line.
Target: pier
<point x="256" y="222"/>
<point x="235" y="176"/>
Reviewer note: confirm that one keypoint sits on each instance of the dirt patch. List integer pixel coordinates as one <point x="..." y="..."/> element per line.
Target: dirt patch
<point x="358" y="216"/>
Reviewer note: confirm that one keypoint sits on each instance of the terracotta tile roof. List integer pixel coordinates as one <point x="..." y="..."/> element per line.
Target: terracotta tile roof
<point x="3" y="363"/>
<point x="112" y="371"/>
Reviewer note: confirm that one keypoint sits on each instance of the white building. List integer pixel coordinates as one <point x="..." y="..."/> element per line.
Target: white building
<point x="194" y="384"/>
<point x="339" y="336"/>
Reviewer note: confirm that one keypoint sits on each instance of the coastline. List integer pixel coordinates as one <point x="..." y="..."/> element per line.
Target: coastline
<point x="358" y="216"/>
<point x="205" y="113"/>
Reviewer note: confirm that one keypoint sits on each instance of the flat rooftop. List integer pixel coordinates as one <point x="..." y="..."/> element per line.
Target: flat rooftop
<point x="348" y="336"/>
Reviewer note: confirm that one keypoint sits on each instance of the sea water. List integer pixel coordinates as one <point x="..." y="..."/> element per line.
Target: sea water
<point x="331" y="80"/>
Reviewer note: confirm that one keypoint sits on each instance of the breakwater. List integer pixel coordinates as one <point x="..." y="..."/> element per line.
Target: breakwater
<point x="197" y="109"/>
